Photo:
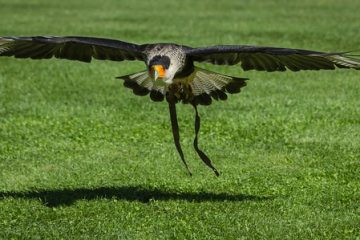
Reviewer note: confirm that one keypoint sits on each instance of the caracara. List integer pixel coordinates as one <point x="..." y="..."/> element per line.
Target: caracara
<point x="170" y="71"/>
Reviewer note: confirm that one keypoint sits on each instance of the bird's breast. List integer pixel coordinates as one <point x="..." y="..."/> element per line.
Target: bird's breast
<point x="181" y="89"/>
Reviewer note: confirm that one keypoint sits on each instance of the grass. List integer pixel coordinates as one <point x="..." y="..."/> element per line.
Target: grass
<point x="82" y="157"/>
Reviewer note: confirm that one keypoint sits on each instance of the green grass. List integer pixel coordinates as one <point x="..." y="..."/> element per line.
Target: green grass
<point x="82" y="157"/>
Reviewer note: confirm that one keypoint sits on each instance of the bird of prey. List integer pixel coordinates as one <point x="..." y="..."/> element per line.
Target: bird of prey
<point x="170" y="72"/>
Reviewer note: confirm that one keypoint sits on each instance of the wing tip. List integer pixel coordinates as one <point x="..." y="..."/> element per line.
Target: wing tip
<point x="346" y="60"/>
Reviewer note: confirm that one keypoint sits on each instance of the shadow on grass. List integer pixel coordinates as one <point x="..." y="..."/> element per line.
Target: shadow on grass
<point x="58" y="197"/>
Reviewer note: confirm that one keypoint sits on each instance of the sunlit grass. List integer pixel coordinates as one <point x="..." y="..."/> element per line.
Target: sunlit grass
<point x="82" y="157"/>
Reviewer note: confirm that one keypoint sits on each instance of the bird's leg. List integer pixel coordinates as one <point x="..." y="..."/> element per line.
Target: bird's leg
<point x="201" y="154"/>
<point x="175" y="131"/>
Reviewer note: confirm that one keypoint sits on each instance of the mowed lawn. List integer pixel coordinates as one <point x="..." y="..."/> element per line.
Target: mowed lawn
<point x="81" y="157"/>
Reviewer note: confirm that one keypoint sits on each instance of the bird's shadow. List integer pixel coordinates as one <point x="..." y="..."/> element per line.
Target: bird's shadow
<point x="66" y="197"/>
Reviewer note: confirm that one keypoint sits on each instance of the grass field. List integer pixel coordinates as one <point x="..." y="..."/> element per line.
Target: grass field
<point x="81" y="157"/>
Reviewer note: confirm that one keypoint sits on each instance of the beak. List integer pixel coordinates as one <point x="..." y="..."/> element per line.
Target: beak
<point x="157" y="71"/>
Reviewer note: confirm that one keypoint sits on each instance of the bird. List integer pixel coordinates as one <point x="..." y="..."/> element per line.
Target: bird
<point x="170" y="72"/>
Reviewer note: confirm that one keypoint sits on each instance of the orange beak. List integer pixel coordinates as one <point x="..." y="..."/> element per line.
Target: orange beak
<point x="157" y="71"/>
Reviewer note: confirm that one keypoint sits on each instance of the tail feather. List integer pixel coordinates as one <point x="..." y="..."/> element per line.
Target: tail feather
<point x="142" y="85"/>
<point x="205" y="86"/>
<point x="206" y="83"/>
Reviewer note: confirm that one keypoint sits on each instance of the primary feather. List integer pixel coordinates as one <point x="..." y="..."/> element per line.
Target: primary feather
<point x="272" y="59"/>
<point x="72" y="48"/>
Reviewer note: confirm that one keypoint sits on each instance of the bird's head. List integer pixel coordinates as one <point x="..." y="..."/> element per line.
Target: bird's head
<point x="157" y="72"/>
<point x="159" y="68"/>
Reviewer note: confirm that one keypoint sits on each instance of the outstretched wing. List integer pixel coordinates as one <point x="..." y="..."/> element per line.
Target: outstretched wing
<point x="272" y="59"/>
<point x="73" y="48"/>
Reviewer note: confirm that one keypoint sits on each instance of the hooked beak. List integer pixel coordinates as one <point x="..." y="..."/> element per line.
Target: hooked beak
<point x="157" y="71"/>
